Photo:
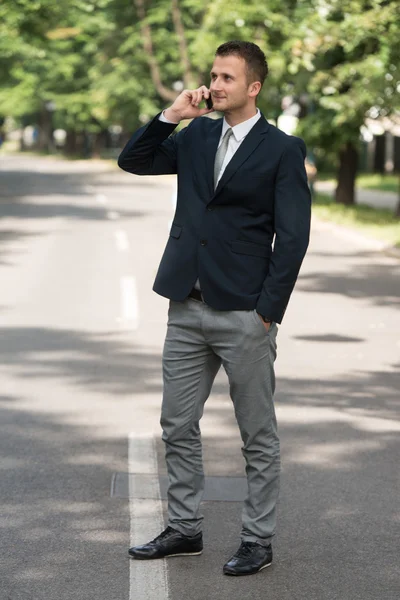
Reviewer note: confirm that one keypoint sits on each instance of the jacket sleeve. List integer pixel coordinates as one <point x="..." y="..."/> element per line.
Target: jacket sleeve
<point x="151" y="151"/>
<point x="292" y="217"/>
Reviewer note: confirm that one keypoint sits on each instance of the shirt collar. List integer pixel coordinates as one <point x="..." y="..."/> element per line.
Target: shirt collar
<point x="242" y="129"/>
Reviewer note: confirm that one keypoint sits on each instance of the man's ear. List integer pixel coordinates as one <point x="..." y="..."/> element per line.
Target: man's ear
<point x="254" y="89"/>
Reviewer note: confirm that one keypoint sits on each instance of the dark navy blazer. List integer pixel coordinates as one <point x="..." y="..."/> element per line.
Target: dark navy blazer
<point x="225" y="236"/>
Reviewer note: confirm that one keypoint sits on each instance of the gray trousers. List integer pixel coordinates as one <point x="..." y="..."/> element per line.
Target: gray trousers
<point x="199" y="339"/>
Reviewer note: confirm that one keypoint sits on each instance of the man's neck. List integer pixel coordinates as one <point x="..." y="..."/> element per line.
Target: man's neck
<point x="238" y="116"/>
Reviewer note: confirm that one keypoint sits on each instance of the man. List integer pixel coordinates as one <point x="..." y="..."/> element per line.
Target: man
<point x="241" y="182"/>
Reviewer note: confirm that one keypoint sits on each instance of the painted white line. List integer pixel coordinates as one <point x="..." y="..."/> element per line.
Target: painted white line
<point x="122" y="240"/>
<point x="130" y="309"/>
<point x="147" y="579"/>
<point x="113" y="215"/>
<point x="101" y="198"/>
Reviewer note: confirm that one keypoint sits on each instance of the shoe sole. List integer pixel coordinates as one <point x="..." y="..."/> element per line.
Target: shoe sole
<point x="166" y="555"/>
<point x="252" y="572"/>
<point x="185" y="554"/>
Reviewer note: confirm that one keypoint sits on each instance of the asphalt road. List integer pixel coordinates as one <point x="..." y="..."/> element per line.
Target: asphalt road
<point x="81" y="337"/>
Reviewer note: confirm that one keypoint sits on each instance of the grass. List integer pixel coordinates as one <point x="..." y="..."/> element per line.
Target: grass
<point x="378" y="223"/>
<point x="369" y="181"/>
<point x="375" y="181"/>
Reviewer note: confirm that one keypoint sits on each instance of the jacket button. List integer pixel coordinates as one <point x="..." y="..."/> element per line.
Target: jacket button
<point x="203" y="242"/>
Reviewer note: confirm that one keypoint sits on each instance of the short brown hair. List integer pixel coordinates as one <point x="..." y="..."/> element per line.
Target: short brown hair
<point x="256" y="63"/>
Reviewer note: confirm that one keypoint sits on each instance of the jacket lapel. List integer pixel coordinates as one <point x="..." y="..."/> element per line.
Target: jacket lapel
<point x="246" y="148"/>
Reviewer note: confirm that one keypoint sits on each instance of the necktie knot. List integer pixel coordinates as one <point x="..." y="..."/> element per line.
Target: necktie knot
<point x="220" y="155"/>
<point x="227" y="134"/>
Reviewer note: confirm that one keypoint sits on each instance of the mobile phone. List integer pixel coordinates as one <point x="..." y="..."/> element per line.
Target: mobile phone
<point x="209" y="102"/>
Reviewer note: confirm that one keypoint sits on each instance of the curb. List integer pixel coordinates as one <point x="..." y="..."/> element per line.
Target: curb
<point x="392" y="251"/>
<point x="357" y="237"/>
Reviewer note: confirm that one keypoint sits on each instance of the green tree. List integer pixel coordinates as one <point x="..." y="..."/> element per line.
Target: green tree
<point x="48" y="53"/>
<point x="346" y="55"/>
<point x="105" y="62"/>
<point x="180" y="37"/>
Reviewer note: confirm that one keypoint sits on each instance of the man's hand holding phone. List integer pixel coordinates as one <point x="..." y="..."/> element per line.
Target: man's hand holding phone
<point x="186" y="106"/>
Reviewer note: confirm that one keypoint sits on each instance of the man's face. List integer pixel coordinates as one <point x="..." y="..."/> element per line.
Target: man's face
<point x="229" y="86"/>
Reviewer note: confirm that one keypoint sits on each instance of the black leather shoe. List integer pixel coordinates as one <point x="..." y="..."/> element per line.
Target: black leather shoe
<point x="250" y="558"/>
<point x="169" y="543"/>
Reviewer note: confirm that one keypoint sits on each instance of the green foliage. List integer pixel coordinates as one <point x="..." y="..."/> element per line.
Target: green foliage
<point x="347" y="56"/>
<point x="50" y="52"/>
<point x="89" y="57"/>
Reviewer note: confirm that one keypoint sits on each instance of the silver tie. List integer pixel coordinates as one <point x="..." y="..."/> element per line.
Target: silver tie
<point x="220" y="155"/>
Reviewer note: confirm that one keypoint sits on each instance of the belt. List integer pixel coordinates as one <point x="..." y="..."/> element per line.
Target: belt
<point x="196" y="295"/>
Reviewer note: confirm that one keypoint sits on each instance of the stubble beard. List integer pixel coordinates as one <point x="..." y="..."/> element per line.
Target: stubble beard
<point x="233" y="106"/>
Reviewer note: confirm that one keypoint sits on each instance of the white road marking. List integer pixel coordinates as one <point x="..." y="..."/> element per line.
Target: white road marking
<point x="130" y="309"/>
<point x="122" y="240"/>
<point x="147" y="579"/>
<point x="101" y="198"/>
<point x="113" y="215"/>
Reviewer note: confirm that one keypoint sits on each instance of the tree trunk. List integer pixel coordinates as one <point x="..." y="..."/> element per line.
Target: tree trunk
<point x="183" y="49"/>
<point x="45" y="126"/>
<point x="22" y="146"/>
<point x="74" y="144"/>
<point x="348" y="164"/>
<point x="164" y="92"/>
<point x="397" y="212"/>
<point x="99" y="144"/>
<point x="70" y="143"/>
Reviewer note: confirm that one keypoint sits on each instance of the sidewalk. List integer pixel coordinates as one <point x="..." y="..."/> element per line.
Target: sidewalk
<point x="374" y="198"/>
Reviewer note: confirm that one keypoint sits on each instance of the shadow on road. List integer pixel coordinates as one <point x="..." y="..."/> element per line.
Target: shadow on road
<point x="96" y="361"/>
<point x="10" y="236"/>
<point x="338" y="510"/>
<point x="340" y="455"/>
<point x="23" y="193"/>
<point x="57" y="515"/>
<point x="378" y="282"/>
<point x="339" y="498"/>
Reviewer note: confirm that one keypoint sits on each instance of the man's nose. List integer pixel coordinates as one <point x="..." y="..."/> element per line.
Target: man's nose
<point x="215" y="85"/>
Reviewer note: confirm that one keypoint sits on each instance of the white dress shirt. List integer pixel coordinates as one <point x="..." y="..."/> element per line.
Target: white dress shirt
<point x="239" y="133"/>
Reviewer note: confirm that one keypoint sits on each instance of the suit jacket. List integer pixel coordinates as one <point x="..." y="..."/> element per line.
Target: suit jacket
<point x="225" y="236"/>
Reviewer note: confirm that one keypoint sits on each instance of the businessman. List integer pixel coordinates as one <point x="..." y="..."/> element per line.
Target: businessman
<point x="241" y="183"/>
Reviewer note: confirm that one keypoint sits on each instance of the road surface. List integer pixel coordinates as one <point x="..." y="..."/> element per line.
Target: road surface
<point x="81" y="337"/>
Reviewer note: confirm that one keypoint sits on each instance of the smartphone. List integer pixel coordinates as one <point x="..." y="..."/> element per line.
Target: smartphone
<point x="209" y="102"/>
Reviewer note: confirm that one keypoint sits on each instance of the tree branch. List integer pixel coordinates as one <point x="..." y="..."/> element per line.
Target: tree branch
<point x="165" y="93"/>
<point x="183" y="49"/>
